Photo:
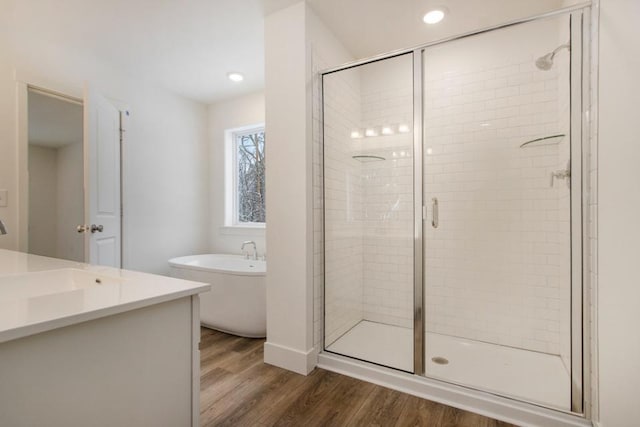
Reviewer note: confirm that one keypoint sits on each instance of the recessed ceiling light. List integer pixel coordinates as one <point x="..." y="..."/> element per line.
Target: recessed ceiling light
<point x="434" y="16"/>
<point x="235" y="77"/>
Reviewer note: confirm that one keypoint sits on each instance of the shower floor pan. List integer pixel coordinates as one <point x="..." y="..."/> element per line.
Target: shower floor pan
<point x="536" y="377"/>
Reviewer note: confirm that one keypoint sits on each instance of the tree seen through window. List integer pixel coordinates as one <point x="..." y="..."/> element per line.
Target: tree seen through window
<point x="251" y="179"/>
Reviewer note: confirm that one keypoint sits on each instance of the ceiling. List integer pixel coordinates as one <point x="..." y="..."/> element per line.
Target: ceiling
<point x="370" y="27"/>
<point x="189" y="46"/>
<point x="53" y="123"/>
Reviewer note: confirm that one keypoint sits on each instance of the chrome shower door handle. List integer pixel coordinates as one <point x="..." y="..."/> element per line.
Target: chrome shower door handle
<point x="435" y="214"/>
<point x="562" y="174"/>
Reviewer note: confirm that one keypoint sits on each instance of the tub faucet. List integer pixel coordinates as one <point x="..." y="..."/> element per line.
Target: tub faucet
<point x="3" y="229"/>
<point x="255" y="250"/>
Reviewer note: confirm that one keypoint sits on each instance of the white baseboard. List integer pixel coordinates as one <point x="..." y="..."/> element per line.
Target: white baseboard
<point x="301" y="362"/>
<point x="487" y="404"/>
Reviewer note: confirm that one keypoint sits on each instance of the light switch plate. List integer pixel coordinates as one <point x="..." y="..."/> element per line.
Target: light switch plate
<point x="3" y="198"/>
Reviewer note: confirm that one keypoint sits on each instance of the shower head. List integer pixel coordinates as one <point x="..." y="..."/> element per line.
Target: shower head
<point x="545" y="62"/>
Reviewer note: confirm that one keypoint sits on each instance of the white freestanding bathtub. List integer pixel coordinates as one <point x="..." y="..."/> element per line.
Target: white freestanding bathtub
<point x="237" y="301"/>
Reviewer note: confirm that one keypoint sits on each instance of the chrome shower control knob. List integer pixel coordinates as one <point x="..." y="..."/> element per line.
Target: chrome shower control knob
<point x="97" y="228"/>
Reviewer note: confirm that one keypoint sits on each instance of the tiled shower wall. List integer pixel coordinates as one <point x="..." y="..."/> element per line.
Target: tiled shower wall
<point x="369" y="205"/>
<point x="317" y="64"/>
<point x="387" y="99"/>
<point x="562" y="63"/>
<point x="515" y="291"/>
<point x="343" y="200"/>
<point x="495" y="267"/>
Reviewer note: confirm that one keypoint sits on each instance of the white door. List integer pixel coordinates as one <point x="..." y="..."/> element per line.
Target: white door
<point x="102" y="180"/>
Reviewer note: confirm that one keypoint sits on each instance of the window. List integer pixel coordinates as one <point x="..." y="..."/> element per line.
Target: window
<point x="246" y="165"/>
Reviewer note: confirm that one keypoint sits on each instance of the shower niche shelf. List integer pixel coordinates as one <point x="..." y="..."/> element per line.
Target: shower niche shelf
<point x="545" y="140"/>
<point x="367" y="158"/>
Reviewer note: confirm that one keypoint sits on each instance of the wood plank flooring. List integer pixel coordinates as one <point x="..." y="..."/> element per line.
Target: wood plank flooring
<point x="238" y="389"/>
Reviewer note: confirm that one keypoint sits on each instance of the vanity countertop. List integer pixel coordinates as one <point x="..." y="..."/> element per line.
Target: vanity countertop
<point x="38" y="294"/>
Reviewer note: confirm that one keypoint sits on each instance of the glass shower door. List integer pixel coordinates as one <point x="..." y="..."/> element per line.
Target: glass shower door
<point x="368" y="212"/>
<point x="497" y="186"/>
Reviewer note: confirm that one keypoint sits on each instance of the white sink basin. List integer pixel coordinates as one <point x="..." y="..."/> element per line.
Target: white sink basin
<point x="29" y="285"/>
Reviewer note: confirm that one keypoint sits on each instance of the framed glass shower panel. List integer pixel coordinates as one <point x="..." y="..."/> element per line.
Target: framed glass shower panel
<point x="369" y="212"/>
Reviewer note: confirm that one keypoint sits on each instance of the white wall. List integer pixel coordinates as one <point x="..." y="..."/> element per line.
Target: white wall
<point x="291" y="35"/>
<point x="43" y="190"/>
<point x="166" y="205"/>
<point x="229" y="114"/>
<point x="618" y="213"/>
<point x="289" y="232"/>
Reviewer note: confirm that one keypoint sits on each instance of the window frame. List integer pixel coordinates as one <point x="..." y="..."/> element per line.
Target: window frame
<point x="232" y="137"/>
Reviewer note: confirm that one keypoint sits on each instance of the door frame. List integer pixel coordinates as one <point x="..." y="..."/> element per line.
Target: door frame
<point x="25" y="82"/>
<point x="419" y="216"/>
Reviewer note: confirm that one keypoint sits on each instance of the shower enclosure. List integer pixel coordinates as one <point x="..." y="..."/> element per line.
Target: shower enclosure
<point x="453" y="210"/>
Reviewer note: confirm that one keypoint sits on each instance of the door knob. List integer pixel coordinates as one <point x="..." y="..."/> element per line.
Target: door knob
<point x="82" y="229"/>
<point x="97" y="228"/>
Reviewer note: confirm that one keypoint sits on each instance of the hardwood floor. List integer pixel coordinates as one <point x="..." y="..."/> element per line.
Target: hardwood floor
<point x="238" y="389"/>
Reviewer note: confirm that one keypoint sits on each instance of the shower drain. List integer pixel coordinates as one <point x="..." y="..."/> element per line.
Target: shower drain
<point x="440" y="360"/>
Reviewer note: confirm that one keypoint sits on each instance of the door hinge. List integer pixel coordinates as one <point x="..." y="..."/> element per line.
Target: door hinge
<point x="122" y="130"/>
